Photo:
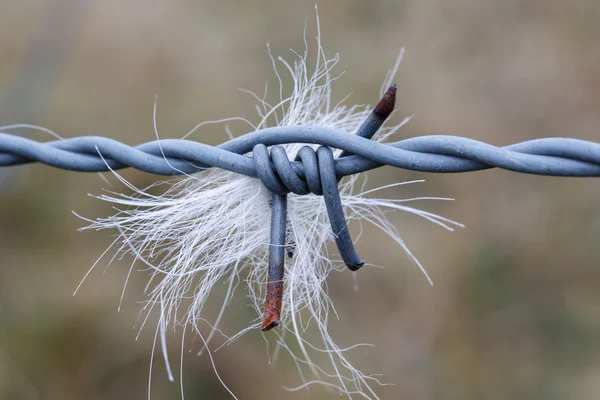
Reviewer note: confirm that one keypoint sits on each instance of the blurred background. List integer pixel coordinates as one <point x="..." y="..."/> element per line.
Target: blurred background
<point x="515" y="310"/>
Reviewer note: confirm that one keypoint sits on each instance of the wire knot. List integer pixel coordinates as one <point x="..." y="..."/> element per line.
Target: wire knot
<point x="280" y="176"/>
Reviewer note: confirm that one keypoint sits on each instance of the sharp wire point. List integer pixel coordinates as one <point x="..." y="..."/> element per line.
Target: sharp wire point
<point x="275" y="273"/>
<point x="209" y="227"/>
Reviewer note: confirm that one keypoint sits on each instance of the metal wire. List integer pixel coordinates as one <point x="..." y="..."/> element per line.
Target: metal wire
<point x="442" y="154"/>
<point x="313" y="171"/>
<point x="435" y="153"/>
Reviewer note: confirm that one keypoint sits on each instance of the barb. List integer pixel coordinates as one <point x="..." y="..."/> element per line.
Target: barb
<point x="312" y="171"/>
<point x="274" y="298"/>
<point x="322" y="180"/>
<point x="382" y="110"/>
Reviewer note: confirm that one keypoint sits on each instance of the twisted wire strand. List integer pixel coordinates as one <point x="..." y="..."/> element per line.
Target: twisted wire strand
<point x="312" y="171"/>
<point x="435" y="153"/>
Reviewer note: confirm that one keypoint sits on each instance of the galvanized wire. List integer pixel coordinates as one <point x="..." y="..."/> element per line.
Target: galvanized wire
<point x="435" y="153"/>
<point x="313" y="171"/>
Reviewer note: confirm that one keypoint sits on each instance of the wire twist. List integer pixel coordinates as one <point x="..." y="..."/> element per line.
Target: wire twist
<point x="312" y="171"/>
<point x="434" y="153"/>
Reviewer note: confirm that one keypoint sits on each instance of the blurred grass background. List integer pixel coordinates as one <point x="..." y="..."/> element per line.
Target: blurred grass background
<point x="515" y="311"/>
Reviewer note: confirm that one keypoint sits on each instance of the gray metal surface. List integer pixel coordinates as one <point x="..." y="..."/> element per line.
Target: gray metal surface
<point x="436" y="153"/>
<point x="313" y="171"/>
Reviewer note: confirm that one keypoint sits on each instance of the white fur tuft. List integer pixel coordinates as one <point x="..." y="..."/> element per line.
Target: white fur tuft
<point x="214" y="226"/>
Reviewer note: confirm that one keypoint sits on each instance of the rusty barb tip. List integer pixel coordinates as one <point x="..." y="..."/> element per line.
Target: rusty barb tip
<point x="272" y="313"/>
<point x="268" y="326"/>
<point x="384" y="108"/>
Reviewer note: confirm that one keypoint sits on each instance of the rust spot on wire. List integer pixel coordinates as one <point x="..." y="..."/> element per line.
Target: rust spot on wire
<point x="386" y="105"/>
<point x="272" y="314"/>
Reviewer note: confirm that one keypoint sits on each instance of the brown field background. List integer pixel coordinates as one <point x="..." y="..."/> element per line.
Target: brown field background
<point x="515" y="310"/>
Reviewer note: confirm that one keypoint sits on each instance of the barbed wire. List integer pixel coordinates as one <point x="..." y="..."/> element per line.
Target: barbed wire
<point x="434" y="153"/>
<point x="313" y="170"/>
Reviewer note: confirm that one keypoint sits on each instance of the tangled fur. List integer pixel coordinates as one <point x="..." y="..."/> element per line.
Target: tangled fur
<point x="212" y="227"/>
